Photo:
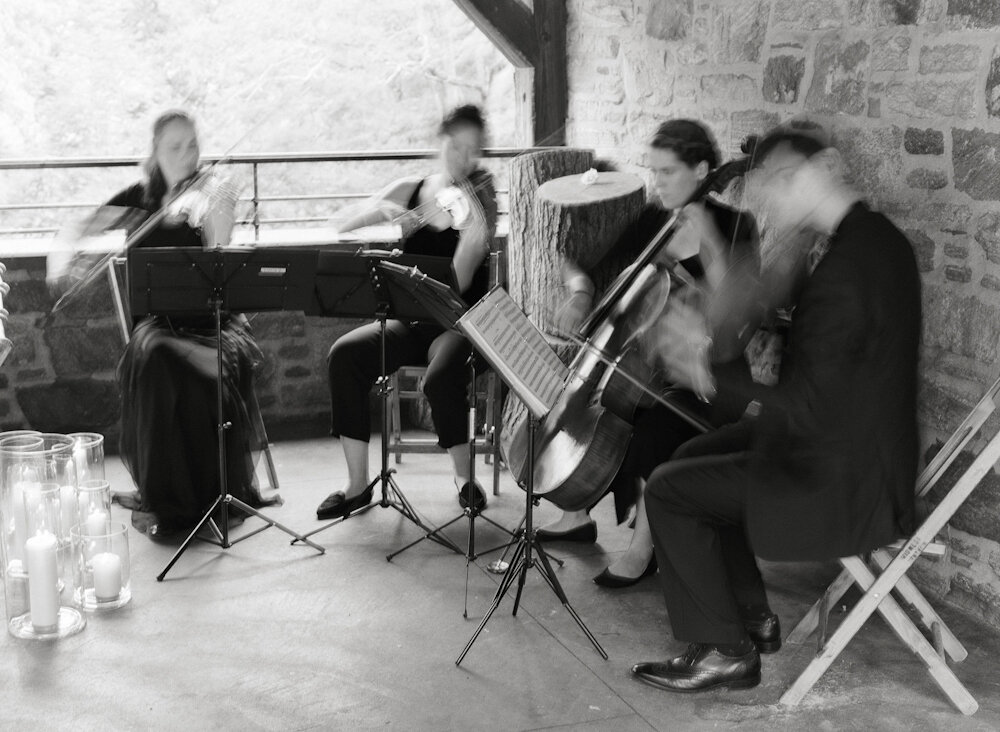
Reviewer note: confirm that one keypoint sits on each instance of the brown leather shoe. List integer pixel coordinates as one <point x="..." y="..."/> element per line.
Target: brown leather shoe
<point x="765" y="633"/>
<point x="701" y="668"/>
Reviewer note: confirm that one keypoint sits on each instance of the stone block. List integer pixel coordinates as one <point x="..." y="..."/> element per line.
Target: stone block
<point x="974" y="13"/>
<point x="873" y="157"/>
<point x="782" y="78"/>
<point x="948" y="217"/>
<point x="669" y="20"/>
<point x="22" y="333"/>
<point x="993" y="85"/>
<point x="692" y="53"/>
<point x="956" y="251"/>
<point x="978" y="516"/>
<point x="890" y="52"/>
<point x="949" y="58"/>
<point x="645" y="78"/>
<point x="298" y="372"/>
<point x="736" y="31"/>
<point x="961" y="324"/>
<point x="923" y="142"/>
<point x="957" y="274"/>
<point x="294" y="352"/>
<point x="923" y="248"/>
<point x="838" y="84"/>
<point x="267" y="326"/>
<point x="990" y="282"/>
<point x="926" y="179"/>
<point x="70" y="405"/>
<point x="976" y="157"/>
<point x="77" y="351"/>
<point x="988" y="235"/>
<point x="733" y="88"/>
<point x="885" y="12"/>
<point x="808" y="14"/>
<point x="931" y="98"/>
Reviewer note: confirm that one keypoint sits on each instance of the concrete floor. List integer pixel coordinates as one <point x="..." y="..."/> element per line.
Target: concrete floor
<point x="266" y="635"/>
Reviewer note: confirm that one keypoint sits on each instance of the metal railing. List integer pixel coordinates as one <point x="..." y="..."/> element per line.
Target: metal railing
<point x="254" y="161"/>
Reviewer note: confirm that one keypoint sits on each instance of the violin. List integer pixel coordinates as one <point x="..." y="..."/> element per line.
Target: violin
<point x="581" y="443"/>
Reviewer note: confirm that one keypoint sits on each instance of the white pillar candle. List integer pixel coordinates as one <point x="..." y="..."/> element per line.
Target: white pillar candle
<point x="67" y="503"/>
<point x="43" y="581"/>
<point x="107" y="576"/>
<point x="97" y="524"/>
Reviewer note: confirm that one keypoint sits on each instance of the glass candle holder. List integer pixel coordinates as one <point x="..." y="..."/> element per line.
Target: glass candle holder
<point x="101" y="568"/>
<point x="30" y="513"/>
<point x="93" y="505"/>
<point x="88" y="454"/>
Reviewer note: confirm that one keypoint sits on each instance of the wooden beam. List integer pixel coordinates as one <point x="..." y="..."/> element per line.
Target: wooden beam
<point x="509" y="24"/>
<point x="534" y="41"/>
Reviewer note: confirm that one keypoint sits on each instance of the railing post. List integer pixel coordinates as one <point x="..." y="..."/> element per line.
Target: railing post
<point x="256" y="206"/>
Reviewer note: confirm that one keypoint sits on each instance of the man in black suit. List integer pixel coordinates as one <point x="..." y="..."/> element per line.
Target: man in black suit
<point x="827" y="468"/>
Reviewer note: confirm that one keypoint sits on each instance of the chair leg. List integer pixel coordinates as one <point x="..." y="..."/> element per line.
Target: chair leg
<point x="812" y="619"/>
<point x="395" y="418"/>
<point x="903" y="627"/>
<point x="928" y="616"/>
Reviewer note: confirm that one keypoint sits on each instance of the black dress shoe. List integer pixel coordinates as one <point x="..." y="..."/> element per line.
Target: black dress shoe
<point x="615" y="581"/>
<point x="584" y="534"/>
<point x="338" y="505"/>
<point x="701" y="668"/>
<point x="472" y="494"/>
<point x="764" y="632"/>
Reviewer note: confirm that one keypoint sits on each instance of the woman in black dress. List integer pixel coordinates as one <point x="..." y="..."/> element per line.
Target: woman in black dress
<point x="713" y="240"/>
<point x="428" y="228"/>
<point x="168" y="372"/>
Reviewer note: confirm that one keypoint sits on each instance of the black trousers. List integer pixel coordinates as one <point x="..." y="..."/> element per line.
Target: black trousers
<point x="354" y="366"/>
<point x="695" y="506"/>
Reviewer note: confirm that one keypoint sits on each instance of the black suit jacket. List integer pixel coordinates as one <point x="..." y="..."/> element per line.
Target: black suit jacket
<point x="834" y="451"/>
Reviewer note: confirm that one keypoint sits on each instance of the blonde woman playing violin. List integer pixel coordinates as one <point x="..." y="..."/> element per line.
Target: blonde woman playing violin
<point x="167" y="374"/>
<point x="451" y="213"/>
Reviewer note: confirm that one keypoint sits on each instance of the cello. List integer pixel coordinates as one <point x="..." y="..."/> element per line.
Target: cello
<point x="581" y="443"/>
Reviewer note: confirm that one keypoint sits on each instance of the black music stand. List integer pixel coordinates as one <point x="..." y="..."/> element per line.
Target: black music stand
<point x="181" y="281"/>
<point x="528" y="546"/>
<point x="441" y="302"/>
<point x="351" y="285"/>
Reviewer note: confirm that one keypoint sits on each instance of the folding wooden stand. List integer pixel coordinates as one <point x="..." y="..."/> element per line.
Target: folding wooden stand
<point x="884" y="573"/>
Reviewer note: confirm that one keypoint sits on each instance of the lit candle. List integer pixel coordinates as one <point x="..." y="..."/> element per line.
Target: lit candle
<point x="43" y="581"/>
<point x="97" y="524"/>
<point x="107" y="576"/>
<point x="67" y="502"/>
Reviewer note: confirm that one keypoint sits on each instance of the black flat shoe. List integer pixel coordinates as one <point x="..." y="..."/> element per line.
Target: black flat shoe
<point x="585" y="534"/>
<point x="338" y="505"/>
<point x="472" y="493"/>
<point x="614" y="581"/>
<point x="765" y="633"/>
<point x="701" y="668"/>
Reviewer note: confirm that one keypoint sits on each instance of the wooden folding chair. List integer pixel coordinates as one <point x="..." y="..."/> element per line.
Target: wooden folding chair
<point x="885" y="573"/>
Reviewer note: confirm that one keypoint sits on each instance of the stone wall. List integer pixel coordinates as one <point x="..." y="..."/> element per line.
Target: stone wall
<point x="60" y="375"/>
<point x="911" y="91"/>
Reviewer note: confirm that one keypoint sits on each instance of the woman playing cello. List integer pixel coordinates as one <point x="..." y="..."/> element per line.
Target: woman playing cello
<point x="713" y="240"/>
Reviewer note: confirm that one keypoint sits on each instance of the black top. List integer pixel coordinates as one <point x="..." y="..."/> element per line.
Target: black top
<point x="161" y="235"/>
<point x="736" y="227"/>
<point x="429" y="242"/>
<point x="835" y="446"/>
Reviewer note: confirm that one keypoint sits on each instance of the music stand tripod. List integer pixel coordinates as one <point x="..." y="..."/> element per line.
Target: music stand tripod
<point x="182" y="281"/>
<point x="351" y="296"/>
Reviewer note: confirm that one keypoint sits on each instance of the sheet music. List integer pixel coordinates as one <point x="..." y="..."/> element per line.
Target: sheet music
<point x="516" y="349"/>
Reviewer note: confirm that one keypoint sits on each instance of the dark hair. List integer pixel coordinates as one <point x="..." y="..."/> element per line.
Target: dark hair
<point x="465" y="115"/>
<point x="805" y="138"/>
<point x="156" y="184"/>
<point x="690" y="141"/>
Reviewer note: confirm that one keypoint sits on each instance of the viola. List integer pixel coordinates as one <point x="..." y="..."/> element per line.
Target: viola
<point x="581" y="442"/>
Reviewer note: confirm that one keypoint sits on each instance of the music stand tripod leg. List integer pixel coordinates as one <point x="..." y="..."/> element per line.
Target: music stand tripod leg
<point x="221" y="530"/>
<point x="523" y="559"/>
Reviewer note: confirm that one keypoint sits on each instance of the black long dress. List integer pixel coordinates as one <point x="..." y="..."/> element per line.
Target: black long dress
<point x="167" y="378"/>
